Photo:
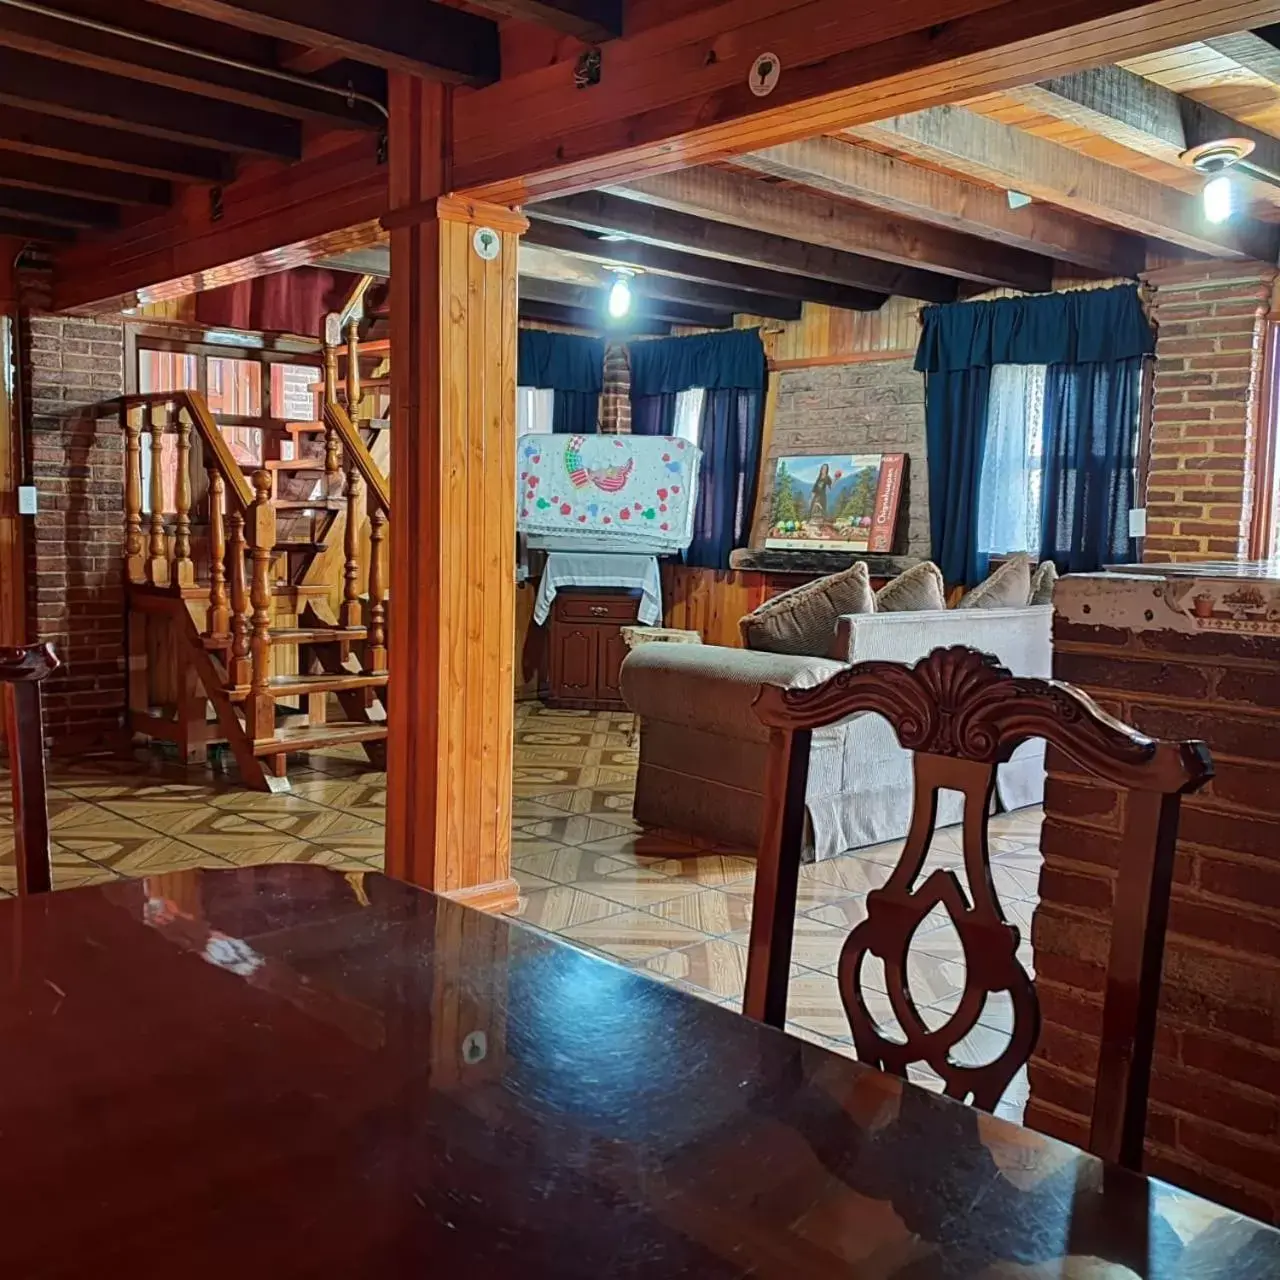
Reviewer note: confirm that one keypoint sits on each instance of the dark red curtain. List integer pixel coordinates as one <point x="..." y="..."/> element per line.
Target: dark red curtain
<point x="294" y="301"/>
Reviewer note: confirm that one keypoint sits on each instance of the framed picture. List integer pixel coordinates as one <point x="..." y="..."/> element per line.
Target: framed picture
<point x="835" y="502"/>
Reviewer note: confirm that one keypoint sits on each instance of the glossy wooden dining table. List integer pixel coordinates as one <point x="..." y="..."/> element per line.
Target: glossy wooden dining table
<point x="288" y="1071"/>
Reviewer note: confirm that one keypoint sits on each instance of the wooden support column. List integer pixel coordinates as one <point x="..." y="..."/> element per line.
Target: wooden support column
<point x="452" y="606"/>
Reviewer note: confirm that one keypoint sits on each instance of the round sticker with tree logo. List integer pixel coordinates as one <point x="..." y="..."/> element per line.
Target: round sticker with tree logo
<point x="487" y="243"/>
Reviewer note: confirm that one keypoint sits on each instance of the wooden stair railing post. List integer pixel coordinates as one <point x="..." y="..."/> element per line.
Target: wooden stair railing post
<point x="260" y="708"/>
<point x="157" y="550"/>
<point x="349" y="615"/>
<point x="219" y="622"/>
<point x="353" y="368"/>
<point x="377" y="647"/>
<point x="332" y="446"/>
<point x="239" y="670"/>
<point x="135" y="562"/>
<point x="22" y="670"/>
<point x="184" y="569"/>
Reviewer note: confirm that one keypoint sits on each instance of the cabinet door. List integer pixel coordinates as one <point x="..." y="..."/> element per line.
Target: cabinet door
<point x="612" y="651"/>
<point x="573" y="662"/>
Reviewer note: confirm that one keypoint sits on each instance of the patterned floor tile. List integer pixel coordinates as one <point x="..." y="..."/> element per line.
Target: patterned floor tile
<point x="814" y="944"/>
<point x="716" y="965"/>
<point x="573" y="829"/>
<point x="633" y="936"/>
<point x="850" y="874"/>
<point x="564" y="864"/>
<point x="560" y="908"/>
<point x="711" y="911"/>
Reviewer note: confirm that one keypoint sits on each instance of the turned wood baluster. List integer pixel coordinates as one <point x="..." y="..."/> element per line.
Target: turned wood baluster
<point x="260" y="709"/>
<point x="157" y="550"/>
<point x="135" y="562"/>
<point x="350" y="614"/>
<point x="238" y="668"/>
<point x="353" y="368"/>
<point x="219" y="615"/>
<point x="184" y="569"/>
<point x="332" y="447"/>
<point x="377" y="649"/>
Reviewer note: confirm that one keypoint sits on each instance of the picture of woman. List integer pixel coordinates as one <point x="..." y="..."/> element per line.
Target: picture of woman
<point x="818" y="495"/>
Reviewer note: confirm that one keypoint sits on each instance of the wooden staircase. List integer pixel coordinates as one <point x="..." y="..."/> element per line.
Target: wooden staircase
<point x="247" y="624"/>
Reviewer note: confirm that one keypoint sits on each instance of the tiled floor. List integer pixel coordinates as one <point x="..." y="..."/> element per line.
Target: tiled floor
<point x="677" y="911"/>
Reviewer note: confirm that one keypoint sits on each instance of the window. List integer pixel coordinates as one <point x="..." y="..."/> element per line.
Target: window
<point x="1010" y="486"/>
<point x="167" y="371"/>
<point x="234" y="386"/>
<point x="689" y="414"/>
<point x="535" y="408"/>
<point x="292" y="398"/>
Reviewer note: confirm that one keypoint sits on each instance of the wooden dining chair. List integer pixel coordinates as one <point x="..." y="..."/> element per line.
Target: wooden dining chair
<point x="22" y="670"/>
<point x="962" y="715"/>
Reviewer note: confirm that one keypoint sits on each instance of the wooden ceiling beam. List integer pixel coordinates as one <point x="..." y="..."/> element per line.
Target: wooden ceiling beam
<point x="647" y="224"/>
<point x="93" y="97"/>
<point x="838" y="168"/>
<point x="685" y="81"/>
<point x="692" y="266"/>
<point x="589" y="20"/>
<point x="1139" y="114"/>
<point x="1251" y="50"/>
<point x="33" y="134"/>
<point x="57" y="210"/>
<point x="36" y="173"/>
<point x="77" y="45"/>
<point x="715" y="297"/>
<point x="969" y="144"/>
<point x="32" y="229"/>
<point x="576" y="318"/>
<point x="838" y="224"/>
<point x="594" y="301"/>
<point x="419" y="38"/>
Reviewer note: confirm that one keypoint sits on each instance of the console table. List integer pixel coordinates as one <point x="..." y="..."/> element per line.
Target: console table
<point x="586" y="648"/>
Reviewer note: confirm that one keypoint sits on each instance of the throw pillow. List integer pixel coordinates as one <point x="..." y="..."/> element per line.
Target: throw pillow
<point x="1042" y="583"/>
<point x="1008" y="588"/>
<point x="803" y="620"/>
<point x="920" y="587"/>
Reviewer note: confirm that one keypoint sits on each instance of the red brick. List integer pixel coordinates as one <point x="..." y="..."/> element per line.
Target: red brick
<point x="1251" y="1066"/>
<point x="1253" y="1160"/>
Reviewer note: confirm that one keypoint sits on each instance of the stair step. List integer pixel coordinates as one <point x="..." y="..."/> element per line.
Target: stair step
<point x="317" y="635"/>
<point x="293" y="464"/>
<point x="306" y="428"/>
<point x="300" y="686"/>
<point x="313" y="737"/>
<point x="282" y="548"/>
<point x="308" y="504"/>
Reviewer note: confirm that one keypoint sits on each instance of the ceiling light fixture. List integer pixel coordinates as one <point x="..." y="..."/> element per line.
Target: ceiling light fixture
<point x="620" y="296"/>
<point x="1214" y="160"/>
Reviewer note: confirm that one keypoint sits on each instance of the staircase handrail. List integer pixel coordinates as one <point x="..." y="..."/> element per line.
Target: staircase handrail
<point x="337" y="420"/>
<point x="214" y="442"/>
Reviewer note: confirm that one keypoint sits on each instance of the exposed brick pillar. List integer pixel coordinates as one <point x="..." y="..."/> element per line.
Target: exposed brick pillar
<point x="615" y="399"/>
<point x="1209" y="351"/>
<point x="72" y="368"/>
<point x="1214" y="1122"/>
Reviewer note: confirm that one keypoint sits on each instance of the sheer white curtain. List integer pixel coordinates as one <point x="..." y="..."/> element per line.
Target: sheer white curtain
<point x="1010" y="483"/>
<point x="689" y="414"/>
<point x="534" y="410"/>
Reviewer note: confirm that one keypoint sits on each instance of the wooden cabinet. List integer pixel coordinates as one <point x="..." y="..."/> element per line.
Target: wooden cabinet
<point x="586" y="649"/>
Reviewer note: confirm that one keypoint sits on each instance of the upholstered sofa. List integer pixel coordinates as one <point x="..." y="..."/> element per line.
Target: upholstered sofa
<point x="703" y="752"/>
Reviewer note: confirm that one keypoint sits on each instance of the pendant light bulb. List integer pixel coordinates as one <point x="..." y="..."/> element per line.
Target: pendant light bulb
<point x="619" y="298"/>
<point x="1218" y="199"/>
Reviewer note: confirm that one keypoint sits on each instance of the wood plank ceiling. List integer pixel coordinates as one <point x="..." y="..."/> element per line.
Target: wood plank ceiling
<point x="106" y="106"/>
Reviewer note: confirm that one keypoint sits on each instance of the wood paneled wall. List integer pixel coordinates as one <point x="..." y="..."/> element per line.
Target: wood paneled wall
<point x="824" y="335"/>
<point x="711" y="602"/>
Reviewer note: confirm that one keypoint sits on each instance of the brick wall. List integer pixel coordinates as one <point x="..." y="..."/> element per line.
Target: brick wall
<point x="615" y="399"/>
<point x="1211" y="327"/>
<point x="1215" y="1116"/>
<point x="70" y="367"/>
<point x="864" y="407"/>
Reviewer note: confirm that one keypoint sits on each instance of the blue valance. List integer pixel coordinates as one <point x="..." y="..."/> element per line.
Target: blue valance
<point x="559" y="361"/>
<point x="1080" y="326"/>
<point x="733" y="359"/>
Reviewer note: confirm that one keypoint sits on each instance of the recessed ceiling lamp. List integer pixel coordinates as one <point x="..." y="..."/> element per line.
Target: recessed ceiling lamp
<point x="1214" y="160"/>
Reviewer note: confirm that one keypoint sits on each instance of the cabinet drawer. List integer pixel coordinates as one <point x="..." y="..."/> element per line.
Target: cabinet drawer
<point x="593" y="608"/>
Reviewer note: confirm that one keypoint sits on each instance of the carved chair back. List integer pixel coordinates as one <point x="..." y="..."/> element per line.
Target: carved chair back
<point x="21" y="671"/>
<point x="962" y="715"/>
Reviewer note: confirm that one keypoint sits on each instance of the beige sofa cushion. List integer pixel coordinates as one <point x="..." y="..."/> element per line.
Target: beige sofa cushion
<point x="1042" y="582"/>
<point x="920" y="587"/>
<point x="1008" y="588"/>
<point x="803" y="620"/>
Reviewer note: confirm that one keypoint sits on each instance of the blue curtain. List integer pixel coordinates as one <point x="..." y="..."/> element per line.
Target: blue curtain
<point x="729" y="436"/>
<point x="1075" y="331"/>
<point x="575" y="413"/>
<point x="731" y="368"/>
<point x="955" y="416"/>
<point x="653" y="415"/>
<point x="1089" y="463"/>
<point x="570" y="365"/>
